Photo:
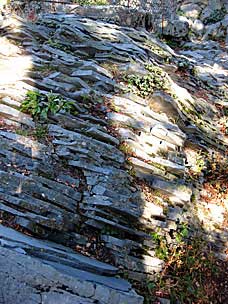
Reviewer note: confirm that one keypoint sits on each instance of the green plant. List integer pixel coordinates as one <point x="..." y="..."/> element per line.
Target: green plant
<point x="22" y="132"/>
<point x="200" y="164"/>
<point x="156" y="49"/>
<point x="58" y="45"/>
<point x="180" y="13"/>
<point x="125" y="148"/>
<point x="40" y="105"/>
<point x="56" y="103"/>
<point x="145" y="85"/>
<point x="162" y="248"/>
<point x="31" y="103"/>
<point x="40" y="132"/>
<point x="132" y="173"/>
<point x="188" y="265"/>
<point x="114" y="108"/>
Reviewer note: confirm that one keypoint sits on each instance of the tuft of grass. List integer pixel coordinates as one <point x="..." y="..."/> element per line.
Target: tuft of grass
<point x="40" y="132"/>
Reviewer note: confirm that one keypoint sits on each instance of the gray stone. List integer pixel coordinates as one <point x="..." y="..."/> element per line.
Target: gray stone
<point x="176" y="28"/>
<point x="68" y="180"/>
<point x="23" y="279"/>
<point x="108" y="281"/>
<point x="93" y="76"/>
<point x="16" y="115"/>
<point x="90" y="167"/>
<point x="79" y="186"/>
<point x="191" y="10"/>
<point x="56" y="253"/>
<point x="225" y="21"/>
<point x="180" y="192"/>
<point x="213" y="30"/>
<point x="77" y="142"/>
<point x="16" y="183"/>
<point x="115" y="225"/>
<point x="66" y="297"/>
<point x="198" y="26"/>
<point x="163" y="300"/>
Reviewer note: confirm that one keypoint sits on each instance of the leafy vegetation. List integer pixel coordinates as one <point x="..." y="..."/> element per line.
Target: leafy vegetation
<point x="200" y="165"/>
<point x="40" y="132"/>
<point x="158" y="50"/>
<point x="125" y="148"/>
<point x="40" y="105"/>
<point x="145" y="85"/>
<point x="58" y="45"/>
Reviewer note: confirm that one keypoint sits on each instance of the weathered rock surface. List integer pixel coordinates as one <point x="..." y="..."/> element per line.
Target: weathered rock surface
<point x="207" y="19"/>
<point x="66" y="179"/>
<point x="39" y="280"/>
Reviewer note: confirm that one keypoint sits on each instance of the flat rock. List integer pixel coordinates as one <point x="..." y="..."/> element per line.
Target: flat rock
<point x="31" y="274"/>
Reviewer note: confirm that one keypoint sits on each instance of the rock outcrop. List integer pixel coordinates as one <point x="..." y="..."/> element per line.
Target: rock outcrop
<point x="207" y="19"/>
<point x="76" y="180"/>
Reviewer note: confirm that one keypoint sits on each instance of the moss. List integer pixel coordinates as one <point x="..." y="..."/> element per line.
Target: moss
<point x="158" y="166"/>
<point x="114" y="108"/>
<point x="158" y="50"/>
<point x="58" y="45"/>
<point x="132" y="172"/>
<point x="193" y="198"/>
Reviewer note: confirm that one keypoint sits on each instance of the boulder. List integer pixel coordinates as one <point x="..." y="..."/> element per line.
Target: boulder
<point x="176" y="28"/>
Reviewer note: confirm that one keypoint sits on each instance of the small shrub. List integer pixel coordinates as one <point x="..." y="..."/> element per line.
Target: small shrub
<point x="40" y="105"/>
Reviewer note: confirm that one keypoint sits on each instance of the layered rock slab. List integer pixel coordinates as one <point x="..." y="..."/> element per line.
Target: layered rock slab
<point x="47" y="279"/>
<point x="95" y="192"/>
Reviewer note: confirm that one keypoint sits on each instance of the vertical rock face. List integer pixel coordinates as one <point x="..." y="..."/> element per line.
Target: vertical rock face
<point x="207" y="19"/>
<point x="105" y="166"/>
